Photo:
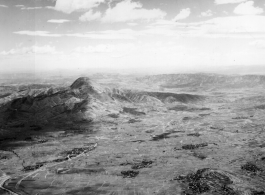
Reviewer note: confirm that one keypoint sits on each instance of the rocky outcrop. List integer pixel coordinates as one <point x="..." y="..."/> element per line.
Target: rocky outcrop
<point x="48" y="105"/>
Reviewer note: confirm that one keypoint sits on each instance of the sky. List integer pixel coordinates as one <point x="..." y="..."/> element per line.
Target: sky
<point x="162" y="36"/>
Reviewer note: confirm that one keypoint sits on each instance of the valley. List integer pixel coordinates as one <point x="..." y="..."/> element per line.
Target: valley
<point x="186" y="134"/>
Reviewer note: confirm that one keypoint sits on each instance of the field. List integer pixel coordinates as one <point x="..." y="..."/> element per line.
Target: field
<point x="147" y="139"/>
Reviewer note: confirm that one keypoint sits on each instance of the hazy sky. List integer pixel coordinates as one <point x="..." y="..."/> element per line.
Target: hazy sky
<point x="158" y="35"/>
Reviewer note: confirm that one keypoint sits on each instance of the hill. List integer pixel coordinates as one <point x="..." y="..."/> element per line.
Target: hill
<point x="83" y="100"/>
<point x="98" y="137"/>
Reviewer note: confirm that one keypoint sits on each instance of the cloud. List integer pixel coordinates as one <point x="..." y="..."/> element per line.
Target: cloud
<point x="228" y="1"/>
<point x="94" y="49"/>
<point x="69" y="6"/>
<point x="126" y="34"/>
<point x="130" y="11"/>
<point x="132" y="24"/>
<point x="258" y="43"/>
<point x="246" y="26"/>
<point x="30" y="8"/>
<point x="22" y="7"/>
<point x="159" y="31"/>
<point x="208" y="13"/>
<point x="102" y="36"/>
<point x="136" y="51"/>
<point x="37" y="33"/>
<point x="163" y="23"/>
<point x="3" y="6"/>
<point x="128" y="48"/>
<point x="59" y="21"/>
<point x="123" y="34"/>
<point x="90" y="16"/>
<point x="248" y="8"/>
<point x="46" y="49"/>
<point x="249" y="26"/>
<point x="184" y="13"/>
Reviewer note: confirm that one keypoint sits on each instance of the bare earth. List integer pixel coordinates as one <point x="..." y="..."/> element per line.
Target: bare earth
<point x="213" y="146"/>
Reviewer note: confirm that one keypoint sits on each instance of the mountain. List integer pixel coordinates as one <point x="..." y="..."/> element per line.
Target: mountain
<point x="108" y="134"/>
<point x="83" y="100"/>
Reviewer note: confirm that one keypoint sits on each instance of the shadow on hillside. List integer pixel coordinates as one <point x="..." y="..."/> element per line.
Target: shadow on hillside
<point x="105" y="188"/>
<point x="30" y="135"/>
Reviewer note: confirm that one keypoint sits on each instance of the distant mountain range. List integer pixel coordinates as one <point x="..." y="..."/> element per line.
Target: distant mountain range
<point x="202" y="80"/>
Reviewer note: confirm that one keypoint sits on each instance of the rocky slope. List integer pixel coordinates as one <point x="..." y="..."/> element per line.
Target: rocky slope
<point x="83" y="100"/>
<point x="42" y="105"/>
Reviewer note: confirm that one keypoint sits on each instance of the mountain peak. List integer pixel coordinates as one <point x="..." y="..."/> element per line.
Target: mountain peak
<point x="80" y="82"/>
